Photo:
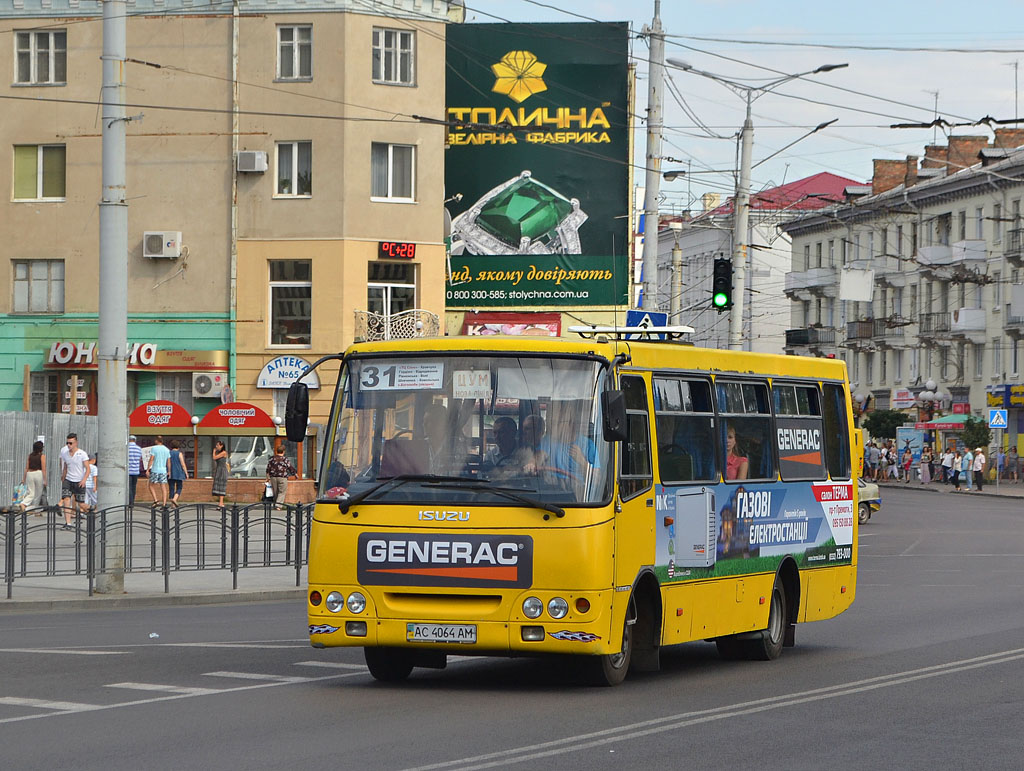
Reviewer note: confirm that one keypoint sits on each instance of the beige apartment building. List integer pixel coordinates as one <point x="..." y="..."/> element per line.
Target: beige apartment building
<point x="282" y="197"/>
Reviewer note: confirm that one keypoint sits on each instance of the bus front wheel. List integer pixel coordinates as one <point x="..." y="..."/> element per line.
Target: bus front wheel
<point x="611" y="669"/>
<point x="387" y="664"/>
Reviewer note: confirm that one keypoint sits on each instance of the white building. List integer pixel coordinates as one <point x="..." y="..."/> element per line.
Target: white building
<point x="687" y="249"/>
<point x="937" y="247"/>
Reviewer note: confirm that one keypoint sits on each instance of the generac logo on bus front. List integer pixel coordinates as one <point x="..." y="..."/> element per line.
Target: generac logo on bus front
<point x="445" y="559"/>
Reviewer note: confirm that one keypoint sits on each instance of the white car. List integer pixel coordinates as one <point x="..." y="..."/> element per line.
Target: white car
<point x="870" y="500"/>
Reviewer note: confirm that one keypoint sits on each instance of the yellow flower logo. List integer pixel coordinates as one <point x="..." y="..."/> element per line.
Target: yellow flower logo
<point x="518" y="75"/>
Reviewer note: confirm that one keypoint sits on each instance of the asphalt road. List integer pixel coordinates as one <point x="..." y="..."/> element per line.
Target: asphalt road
<point x="925" y="671"/>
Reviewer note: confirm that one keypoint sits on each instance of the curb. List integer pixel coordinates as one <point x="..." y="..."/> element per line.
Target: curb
<point x="103" y="602"/>
<point x="946" y="489"/>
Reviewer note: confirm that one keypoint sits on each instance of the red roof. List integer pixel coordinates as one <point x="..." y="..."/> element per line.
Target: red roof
<point x="825" y="188"/>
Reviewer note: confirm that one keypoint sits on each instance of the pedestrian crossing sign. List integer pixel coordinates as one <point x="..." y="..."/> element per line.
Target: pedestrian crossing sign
<point x="997" y="418"/>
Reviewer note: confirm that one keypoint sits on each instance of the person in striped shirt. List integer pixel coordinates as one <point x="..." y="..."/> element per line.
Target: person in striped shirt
<point x="134" y="468"/>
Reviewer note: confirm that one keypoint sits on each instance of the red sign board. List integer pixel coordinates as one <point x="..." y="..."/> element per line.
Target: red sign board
<point x="961" y="408"/>
<point x="156" y="416"/>
<point x="236" y="415"/>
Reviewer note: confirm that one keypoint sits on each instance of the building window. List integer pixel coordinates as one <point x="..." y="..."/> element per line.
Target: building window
<point x="913" y="239"/>
<point x="291" y="299"/>
<point x="997" y="359"/>
<point x="394" y="56"/>
<point x="295" y="169"/>
<point x="38" y="286"/>
<point x="961" y="225"/>
<point x="885" y="242"/>
<point x="295" y="53"/>
<point x="44" y="390"/>
<point x="899" y="242"/>
<point x="869" y="368"/>
<point x="392" y="172"/>
<point x="1015" y="354"/>
<point x="897" y="365"/>
<point x="42" y="57"/>
<point x="897" y="301"/>
<point x="979" y="223"/>
<point x="997" y="292"/>
<point x="39" y="172"/>
<point x="390" y="289"/>
<point x="856" y="247"/>
<point x="883" y="359"/>
<point x="817" y="253"/>
<point x="831" y="253"/>
<point x="997" y="222"/>
<point x="176" y="387"/>
<point x="871" y="244"/>
<point x="913" y="302"/>
<point x="979" y="360"/>
<point x="915" y="364"/>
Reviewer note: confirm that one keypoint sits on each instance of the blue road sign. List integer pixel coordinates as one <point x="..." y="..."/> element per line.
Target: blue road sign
<point x="997" y="418"/>
<point x="646" y="319"/>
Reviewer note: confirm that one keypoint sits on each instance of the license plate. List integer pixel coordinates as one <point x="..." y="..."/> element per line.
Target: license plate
<point x="441" y="633"/>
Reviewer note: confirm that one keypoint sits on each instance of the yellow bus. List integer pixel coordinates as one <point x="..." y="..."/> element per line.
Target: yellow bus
<point x="600" y="497"/>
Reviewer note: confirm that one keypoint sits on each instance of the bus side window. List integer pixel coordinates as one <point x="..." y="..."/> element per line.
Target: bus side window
<point x="635" y="456"/>
<point x="745" y="411"/>
<point x="686" y="440"/>
<point x="837" y="432"/>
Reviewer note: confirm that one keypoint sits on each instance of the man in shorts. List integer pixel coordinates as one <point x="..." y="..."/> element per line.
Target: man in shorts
<point x="159" y="471"/>
<point x="74" y="464"/>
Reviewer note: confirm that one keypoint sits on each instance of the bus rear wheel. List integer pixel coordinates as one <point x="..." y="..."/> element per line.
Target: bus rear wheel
<point x="765" y="645"/>
<point x="611" y="669"/>
<point x="388" y="665"/>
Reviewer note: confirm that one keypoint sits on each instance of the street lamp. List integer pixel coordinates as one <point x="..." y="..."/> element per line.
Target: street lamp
<point x="742" y="207"/>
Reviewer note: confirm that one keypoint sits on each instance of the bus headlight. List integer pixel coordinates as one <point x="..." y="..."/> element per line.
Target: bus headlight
<point x="557" y="607"/>
<point x="334" y="602"/>
<point x="532" y="607"/>
<point x="356" y="602"/>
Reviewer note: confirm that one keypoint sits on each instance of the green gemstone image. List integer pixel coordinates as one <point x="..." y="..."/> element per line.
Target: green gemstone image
<point x="527" y="209"/>
<point x="519" y="216"/>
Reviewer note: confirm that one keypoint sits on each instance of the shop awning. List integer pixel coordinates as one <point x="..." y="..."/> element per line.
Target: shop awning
<point x="160" y="417"/>
<point x="237" y="418"/>
<point x="948" y="423"/>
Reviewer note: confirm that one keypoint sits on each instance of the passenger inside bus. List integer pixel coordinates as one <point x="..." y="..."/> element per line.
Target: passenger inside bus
<point x="736" y="463"/>
<point x="503" y="459"/>
<point x="561" y="455"/>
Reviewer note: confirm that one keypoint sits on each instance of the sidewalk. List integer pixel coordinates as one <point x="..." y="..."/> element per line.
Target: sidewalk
<point x="146" y="590"/>
<point x="1005" y="490"/>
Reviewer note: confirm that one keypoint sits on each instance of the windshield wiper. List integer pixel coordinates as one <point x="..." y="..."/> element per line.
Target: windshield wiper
<point x="505" y="492"/>
<point x="395" y="481"/>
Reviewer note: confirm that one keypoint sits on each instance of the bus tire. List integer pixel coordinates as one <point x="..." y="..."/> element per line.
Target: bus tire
<point x="611" y="669"/>
<point x="768" y="646"/>
<point x="389" y="665"/>
<point x="863" y="514"/>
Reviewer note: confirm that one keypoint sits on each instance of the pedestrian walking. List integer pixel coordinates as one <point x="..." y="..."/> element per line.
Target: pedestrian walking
<point x="947" y="465"/>
<point x="158" y="470"/>
<point x="74" y="464"/>
<point x="179" y="472"/>
<point x="894" y="464"/>
<point x="979" y="468"/>
<point x="220" y="472"/>
<point x="925" y="465"/>
<point x="1013" y="465"/>
<point x="279" y="468"/>
<point x="34" y="479"/>
<point x="135" y="469"/>
<point x="873" y="457"/>
<point x="967" y="468"/>
<point x="91" y="487"/>
<point x="908" y="461"/>
<point x="883" y="464"/>
<point x="1001" y="463"/>
<point x="957" y="460"/>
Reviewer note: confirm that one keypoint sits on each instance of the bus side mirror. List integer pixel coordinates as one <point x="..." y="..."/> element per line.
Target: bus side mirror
<point x="296" y="412"/>
<point x="613" y="407"/>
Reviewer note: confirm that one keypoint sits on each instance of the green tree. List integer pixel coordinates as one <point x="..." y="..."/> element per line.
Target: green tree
<point x="976" y="433"/>
<point x="882" y="424"/>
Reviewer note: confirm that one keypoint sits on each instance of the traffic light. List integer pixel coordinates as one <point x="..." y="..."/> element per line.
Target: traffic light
<point x="721" y="284"/>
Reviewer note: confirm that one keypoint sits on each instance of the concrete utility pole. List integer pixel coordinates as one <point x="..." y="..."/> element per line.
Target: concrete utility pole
<point x="676" y="301"/>
<point x="741" y="216"/>
<point x="113" y="304"/>
<point x="652" y="187"/>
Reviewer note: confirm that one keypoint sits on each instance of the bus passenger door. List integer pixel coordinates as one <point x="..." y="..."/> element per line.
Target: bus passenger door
<point x="634" y="526"/>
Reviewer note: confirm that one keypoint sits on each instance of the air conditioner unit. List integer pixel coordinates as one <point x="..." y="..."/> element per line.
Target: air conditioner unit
<point x="252" y="161"/>
<point x="208" y="385"/>
<point x="161" y="244"/>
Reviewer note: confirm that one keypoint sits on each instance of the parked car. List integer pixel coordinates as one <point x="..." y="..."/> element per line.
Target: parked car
<point x="870" y="500"/>
<point x="249" y="455"/>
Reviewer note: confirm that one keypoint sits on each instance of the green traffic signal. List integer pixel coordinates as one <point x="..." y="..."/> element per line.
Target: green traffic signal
<point x="720" y="300"/>
<point x="721" y="284"/>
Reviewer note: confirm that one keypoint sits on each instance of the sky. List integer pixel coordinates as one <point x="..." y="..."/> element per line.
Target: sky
<point x="788" y="37"/>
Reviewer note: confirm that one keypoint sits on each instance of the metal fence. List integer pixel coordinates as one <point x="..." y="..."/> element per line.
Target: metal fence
<point x="156" y="540"/>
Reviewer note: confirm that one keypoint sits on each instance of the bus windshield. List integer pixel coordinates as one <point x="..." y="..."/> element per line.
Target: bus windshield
<point x="483" y="428"/>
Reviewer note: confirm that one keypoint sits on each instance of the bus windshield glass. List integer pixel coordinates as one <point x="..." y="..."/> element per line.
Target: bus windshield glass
<point x="481" y="428"/>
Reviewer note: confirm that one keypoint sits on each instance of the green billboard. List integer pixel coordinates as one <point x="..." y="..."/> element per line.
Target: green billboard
<point x="537" y="166"/>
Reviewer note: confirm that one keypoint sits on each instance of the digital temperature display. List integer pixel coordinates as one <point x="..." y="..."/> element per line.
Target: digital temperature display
<point x="396" y="250"/>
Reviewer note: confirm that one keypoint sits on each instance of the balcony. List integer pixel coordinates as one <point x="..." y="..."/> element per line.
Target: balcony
<point x="860" y="330"/>
<point x="393" y="326"/>
<point x="1013" y="248"/>
<point x="1013" y="325"/>
<point x="811" y="337"/>
<point x="889" y="330"/>
<point x="801" y="284"/>
<point x="935" y="325"/>
<point x="969" y="323"/>
<point x="944" y="262"/>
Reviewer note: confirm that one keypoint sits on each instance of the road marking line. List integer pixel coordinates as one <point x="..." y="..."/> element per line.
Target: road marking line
<point x="686" y="719"/>
<point x="160" y="699"/>
<point x="910" y="548"/>
<point x="64" y="652"/>
<point x="257" y="676"/>
<point x="61" y="706"/>
<point x="165" y="688"/>
<point x="330" y="665"/>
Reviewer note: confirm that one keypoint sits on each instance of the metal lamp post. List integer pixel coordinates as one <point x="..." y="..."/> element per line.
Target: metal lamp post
<point x="742" y="206"/>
